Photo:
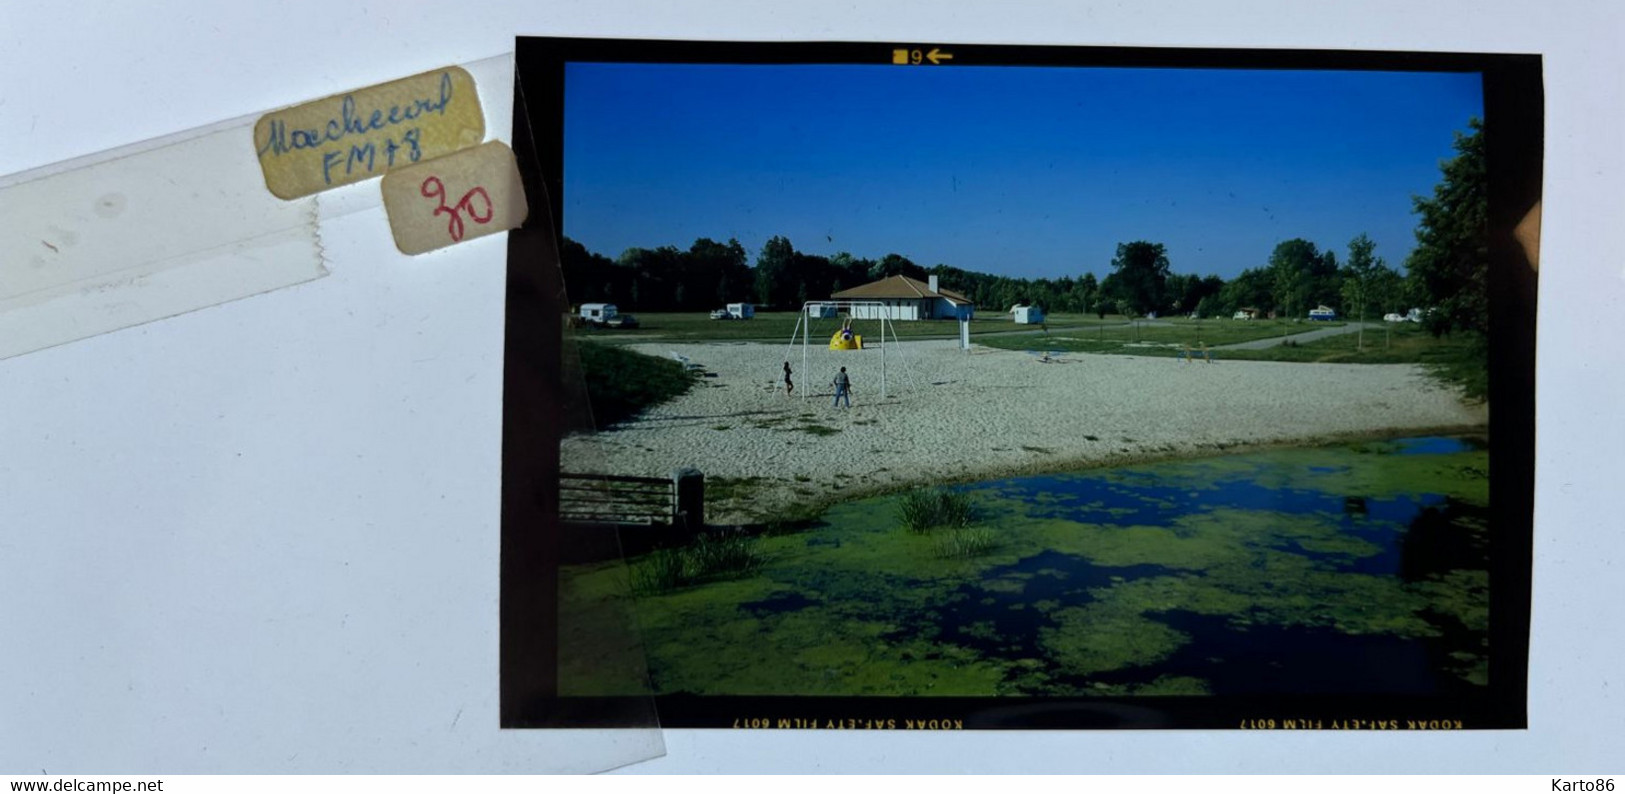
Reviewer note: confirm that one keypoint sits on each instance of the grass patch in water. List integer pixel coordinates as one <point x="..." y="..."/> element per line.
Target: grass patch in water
<point x="926" y="509"/>
<point x="706" y="557"/>
<point x="963" y="544"/>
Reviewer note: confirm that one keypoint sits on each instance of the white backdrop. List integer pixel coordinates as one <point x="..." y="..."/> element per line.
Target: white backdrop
<point x="262" y="537"/>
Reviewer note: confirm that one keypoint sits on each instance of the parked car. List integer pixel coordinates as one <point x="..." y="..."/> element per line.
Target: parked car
<point x="721" y="314"/>
<point x="1393" y="318"/>
<point x="1241" y="316"/>
<point x="623" y="321"/>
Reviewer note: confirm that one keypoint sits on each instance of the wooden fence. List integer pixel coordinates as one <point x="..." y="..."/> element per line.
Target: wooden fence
<point x="678" y="500"/>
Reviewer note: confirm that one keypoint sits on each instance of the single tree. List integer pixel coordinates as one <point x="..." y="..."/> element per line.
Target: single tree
<point x="1449" y="268"/>
<point x="773" y="285"/>
<point x="1359" y="277"/>
<point x="1088" y="289"/>
<point x="1142" y="271"/>
<point x="1293" y="268"/>
<point x="1388" y="291"/>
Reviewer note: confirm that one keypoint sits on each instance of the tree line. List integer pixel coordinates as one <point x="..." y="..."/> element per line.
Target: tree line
<point x="1297" y="277"/>
<point x="1446" y="272"/>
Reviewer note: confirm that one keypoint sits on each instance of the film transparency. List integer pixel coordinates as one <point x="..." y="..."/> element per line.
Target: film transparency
<point x="938" y="386"/>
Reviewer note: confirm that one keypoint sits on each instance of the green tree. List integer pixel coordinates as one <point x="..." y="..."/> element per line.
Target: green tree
<point x="591" y="277"/>
<point x="1387" y="291"/>
<point x="1175" y="291"/>
<point x="773" y="282"/>
<point x="715" y="273"/>
<point x="1141" y="270"/>
<point x="896" y="265"/>
<point x="1359" y="278"/>
<point x="1088" y="289"/>
<point x="848" y="271"/>
<point x="655" y="274"/>
<point x="1249" y="290"/>
<point x="1111" y="294"/>
<point x="1449" y="268"/>
<point x="1301" y="275"/>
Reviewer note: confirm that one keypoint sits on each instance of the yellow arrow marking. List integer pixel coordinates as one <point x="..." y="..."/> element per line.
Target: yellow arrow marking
<point x="936" y="55"/>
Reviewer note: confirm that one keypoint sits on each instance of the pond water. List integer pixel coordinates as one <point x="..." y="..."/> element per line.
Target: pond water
<point x="1354" y="568"/>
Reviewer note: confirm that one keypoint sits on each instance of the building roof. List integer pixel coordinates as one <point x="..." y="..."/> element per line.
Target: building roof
<point x="898" y="288"/>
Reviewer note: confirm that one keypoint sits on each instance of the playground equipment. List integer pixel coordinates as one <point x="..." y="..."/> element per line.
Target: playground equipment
<point x="845" y="339"/>
<point x="1204" y="352"/>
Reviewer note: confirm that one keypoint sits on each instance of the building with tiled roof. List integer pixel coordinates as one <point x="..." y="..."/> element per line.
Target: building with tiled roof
<point x="904" y="298"/>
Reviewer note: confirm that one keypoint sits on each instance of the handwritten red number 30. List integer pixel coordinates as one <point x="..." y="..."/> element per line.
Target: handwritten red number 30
<point x="433" y="188"/>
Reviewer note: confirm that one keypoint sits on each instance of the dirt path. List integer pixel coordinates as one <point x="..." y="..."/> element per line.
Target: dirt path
<point x="1306" y="336"/>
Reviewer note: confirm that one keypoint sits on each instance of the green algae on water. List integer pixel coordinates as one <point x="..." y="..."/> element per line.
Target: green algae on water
<point x="1154" y="579"/>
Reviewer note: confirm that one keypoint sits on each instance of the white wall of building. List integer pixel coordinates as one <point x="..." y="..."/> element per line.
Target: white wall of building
<point x="890" y="310"/>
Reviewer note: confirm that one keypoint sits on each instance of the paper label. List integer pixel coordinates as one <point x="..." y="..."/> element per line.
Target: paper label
<point x="361" y="134"/>
<point x="458" y="197"/>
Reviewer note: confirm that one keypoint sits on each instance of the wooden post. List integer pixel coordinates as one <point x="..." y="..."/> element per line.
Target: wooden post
<point x="689" y="486"/>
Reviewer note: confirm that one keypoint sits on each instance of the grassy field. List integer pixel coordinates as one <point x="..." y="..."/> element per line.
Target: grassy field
<point x="621" y="383"/>
<point x="1455" y="359"/>
<point x="1151" y="337"/>
<point x="1459" y="360"/>
<point x="777" y="327"/>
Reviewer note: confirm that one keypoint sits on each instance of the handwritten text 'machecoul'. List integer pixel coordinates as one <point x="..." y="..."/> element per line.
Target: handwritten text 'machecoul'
<point x="351" y="122"/>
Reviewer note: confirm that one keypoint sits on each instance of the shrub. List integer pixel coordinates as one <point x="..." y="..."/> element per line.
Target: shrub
<point x="924" y="509"/>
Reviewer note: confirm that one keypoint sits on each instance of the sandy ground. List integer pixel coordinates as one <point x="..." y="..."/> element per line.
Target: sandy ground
<point x="953" y="416"/>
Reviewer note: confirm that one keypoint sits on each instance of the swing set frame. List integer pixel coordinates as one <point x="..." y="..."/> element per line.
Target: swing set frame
<point x="804" y="329"/>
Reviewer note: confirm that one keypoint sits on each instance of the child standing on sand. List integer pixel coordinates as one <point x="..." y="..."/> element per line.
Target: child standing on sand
<point x="789" y="387"/>
<point x="843" y="388"/>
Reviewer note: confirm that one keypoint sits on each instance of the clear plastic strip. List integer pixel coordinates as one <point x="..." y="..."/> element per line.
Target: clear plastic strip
<point x="167" y="226"/>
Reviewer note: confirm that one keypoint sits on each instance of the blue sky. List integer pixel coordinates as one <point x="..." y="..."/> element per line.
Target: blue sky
<point x="1028" y="172"/>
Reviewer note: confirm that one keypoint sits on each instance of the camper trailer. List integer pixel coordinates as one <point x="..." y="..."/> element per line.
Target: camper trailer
<point x="598" y="313"/>
<point x="604" y="315"/>
<point x="735" y="311"/>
